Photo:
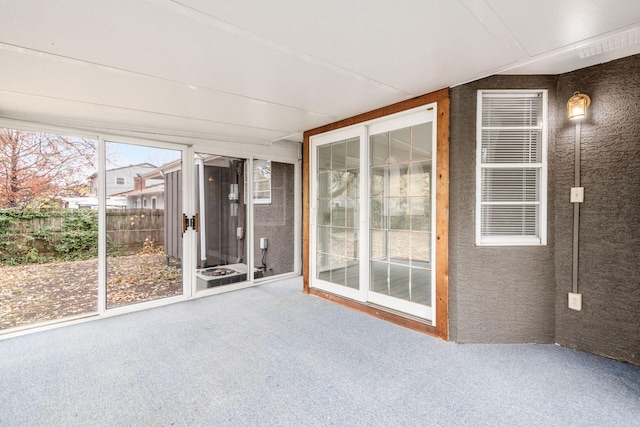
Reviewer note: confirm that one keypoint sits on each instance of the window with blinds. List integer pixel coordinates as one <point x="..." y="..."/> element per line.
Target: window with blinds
<point x="511" y="172"/>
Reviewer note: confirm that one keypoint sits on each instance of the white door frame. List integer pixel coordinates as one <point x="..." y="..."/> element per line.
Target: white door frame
<point x="422" y="114"/>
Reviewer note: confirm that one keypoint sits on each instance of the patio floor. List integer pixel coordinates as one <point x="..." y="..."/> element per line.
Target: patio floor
<point x="271" y="355"/>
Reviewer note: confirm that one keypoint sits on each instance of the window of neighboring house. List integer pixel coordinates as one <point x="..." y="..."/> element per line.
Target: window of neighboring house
<point x="154" y="203"/>
<point x="144" y="202"/>
<point x="261" y="181"/>
<point x="511" y="168"/>
<point x="119" y="181"/>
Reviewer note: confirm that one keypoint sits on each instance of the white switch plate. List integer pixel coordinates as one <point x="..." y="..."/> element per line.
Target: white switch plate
<point x="577" y="194"/>
<point x="575" y="301"/>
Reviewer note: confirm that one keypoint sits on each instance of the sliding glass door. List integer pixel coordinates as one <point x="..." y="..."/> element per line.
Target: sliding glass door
<point x="336" y="202"/>
<point x="222" y="221"/>
<point x="400" y="227"/>
<point x="48" y="228"/>
<point x="140" y="229"/>
<point x="96" y="224"/>
<point x="376" y="245"/>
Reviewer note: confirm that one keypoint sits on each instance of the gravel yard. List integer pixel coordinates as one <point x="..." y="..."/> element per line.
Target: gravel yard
<point x="40" y="292"/>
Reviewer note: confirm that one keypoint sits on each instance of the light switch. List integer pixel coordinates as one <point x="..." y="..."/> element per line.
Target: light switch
<point x="577" y="194"/>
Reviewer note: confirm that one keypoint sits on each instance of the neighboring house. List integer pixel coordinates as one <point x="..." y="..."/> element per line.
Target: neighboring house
<point x="120" y="180"/>
<point x="143" y="196"/>
<point x="113" y="202"/>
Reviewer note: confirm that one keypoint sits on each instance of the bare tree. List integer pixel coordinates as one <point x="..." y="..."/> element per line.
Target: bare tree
<point x="38" y="167"/>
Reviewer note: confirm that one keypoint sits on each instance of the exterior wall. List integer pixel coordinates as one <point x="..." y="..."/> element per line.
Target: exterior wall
<point x="275" y="221"/>
<point x="519" y="294"/>
<point x="609" y="251"/>
<point x="496" y="294"/>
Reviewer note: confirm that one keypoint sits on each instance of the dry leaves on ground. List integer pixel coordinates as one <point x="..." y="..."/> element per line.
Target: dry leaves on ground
<point x="40" y="292"/>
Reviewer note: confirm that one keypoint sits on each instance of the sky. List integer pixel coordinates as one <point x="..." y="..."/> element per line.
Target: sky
<point x="119" y="154"/>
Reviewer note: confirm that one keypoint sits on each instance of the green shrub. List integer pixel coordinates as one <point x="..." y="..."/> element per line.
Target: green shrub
<point x="76" y="238"/>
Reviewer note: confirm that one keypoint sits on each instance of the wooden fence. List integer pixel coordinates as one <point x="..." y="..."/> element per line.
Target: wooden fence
<point x="127" y="231"/>
<point x="128" y="228"/>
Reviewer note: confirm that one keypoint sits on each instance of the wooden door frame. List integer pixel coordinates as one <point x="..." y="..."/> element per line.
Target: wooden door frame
<point x="441" y="328"/>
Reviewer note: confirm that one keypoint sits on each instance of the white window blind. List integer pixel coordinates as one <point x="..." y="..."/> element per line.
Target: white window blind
<point x="511" y="168"/>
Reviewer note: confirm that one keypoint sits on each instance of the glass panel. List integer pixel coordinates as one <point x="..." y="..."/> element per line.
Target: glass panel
<point x="323" y="239"/>
<point x="338" y="241"/>
<point x="337" y="200"/>
<point x="421" y="249"/>
<point x="399" y="246"/>
<point x="399" y="281"/>
<point x="511" y="146"/>
<point x="398" y="180"/>
<point x="378" y="245"/>
<point x="509" y="220"/>
<point x="379" y="149"/>
<point x="353" y="273"/>
<point x="353" y="153"/>
<point x="379" y="181"/>
<point x="48" y="227"/>
<point x="351" y="243"/>
<point x="420" y="213"/>
<point x="420" y="179"/>
<point x="338" y="156"/>
<point x="511" y="111"/>
<point x="144" y="246"/>
<point x="262" y="181"/>
<point x="324" y="185"/>
<point x="422" y="136"/>
<point x="379" y="277"/>
<point x="353" y="183"/>
<point x="400" y="213"/>
<point x="324" y="273"/>
<point x="421" y="286"/>
<point x="400" y="145"/>
<point x="324" y="158"/>
<point x="353" y="214"/>
<point x="338" y="212"/>
<point x="324" y="212"/>
<point x="275" y="223"/>
<point x="510" y="185"/>
<point x="378" y="213"/>
<point x="221" y="197"/>
<point x="338" y="273"/>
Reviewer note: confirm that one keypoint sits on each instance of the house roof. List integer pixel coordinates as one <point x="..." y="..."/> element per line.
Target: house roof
<point x="152" y="189"/>
<point x="256" y="72"/>
<point x="139" y="165"/>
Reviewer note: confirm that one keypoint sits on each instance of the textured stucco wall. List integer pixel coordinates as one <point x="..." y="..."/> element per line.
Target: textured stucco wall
<point x="496" y="294"/>
<point x="275" y="222"/>
<point x="519" y="294"/>
<point x="609" y="277"/>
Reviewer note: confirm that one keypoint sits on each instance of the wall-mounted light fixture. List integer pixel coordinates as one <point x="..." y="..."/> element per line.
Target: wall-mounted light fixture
<point x="577" y="105"/>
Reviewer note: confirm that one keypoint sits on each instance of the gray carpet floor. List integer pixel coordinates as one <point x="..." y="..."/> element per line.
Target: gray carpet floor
<point x="271" y="355"/>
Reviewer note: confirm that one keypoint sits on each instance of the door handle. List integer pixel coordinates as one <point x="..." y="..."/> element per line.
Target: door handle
<point x="193" y="222"/>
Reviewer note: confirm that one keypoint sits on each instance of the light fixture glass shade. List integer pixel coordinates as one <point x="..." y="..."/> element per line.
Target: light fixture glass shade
<point x="577" y="105"/>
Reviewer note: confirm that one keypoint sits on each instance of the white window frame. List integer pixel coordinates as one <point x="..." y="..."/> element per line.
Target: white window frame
<point x="256" y="201"/>
<point x="541" y="219"/>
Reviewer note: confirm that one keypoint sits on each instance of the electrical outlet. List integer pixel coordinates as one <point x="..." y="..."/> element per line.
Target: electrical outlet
<point x="575" y="301"/>
<point x="577" y="194"/>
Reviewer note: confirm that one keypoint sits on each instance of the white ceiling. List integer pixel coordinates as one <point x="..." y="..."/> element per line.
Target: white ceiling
<point x="260" y="71"/>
